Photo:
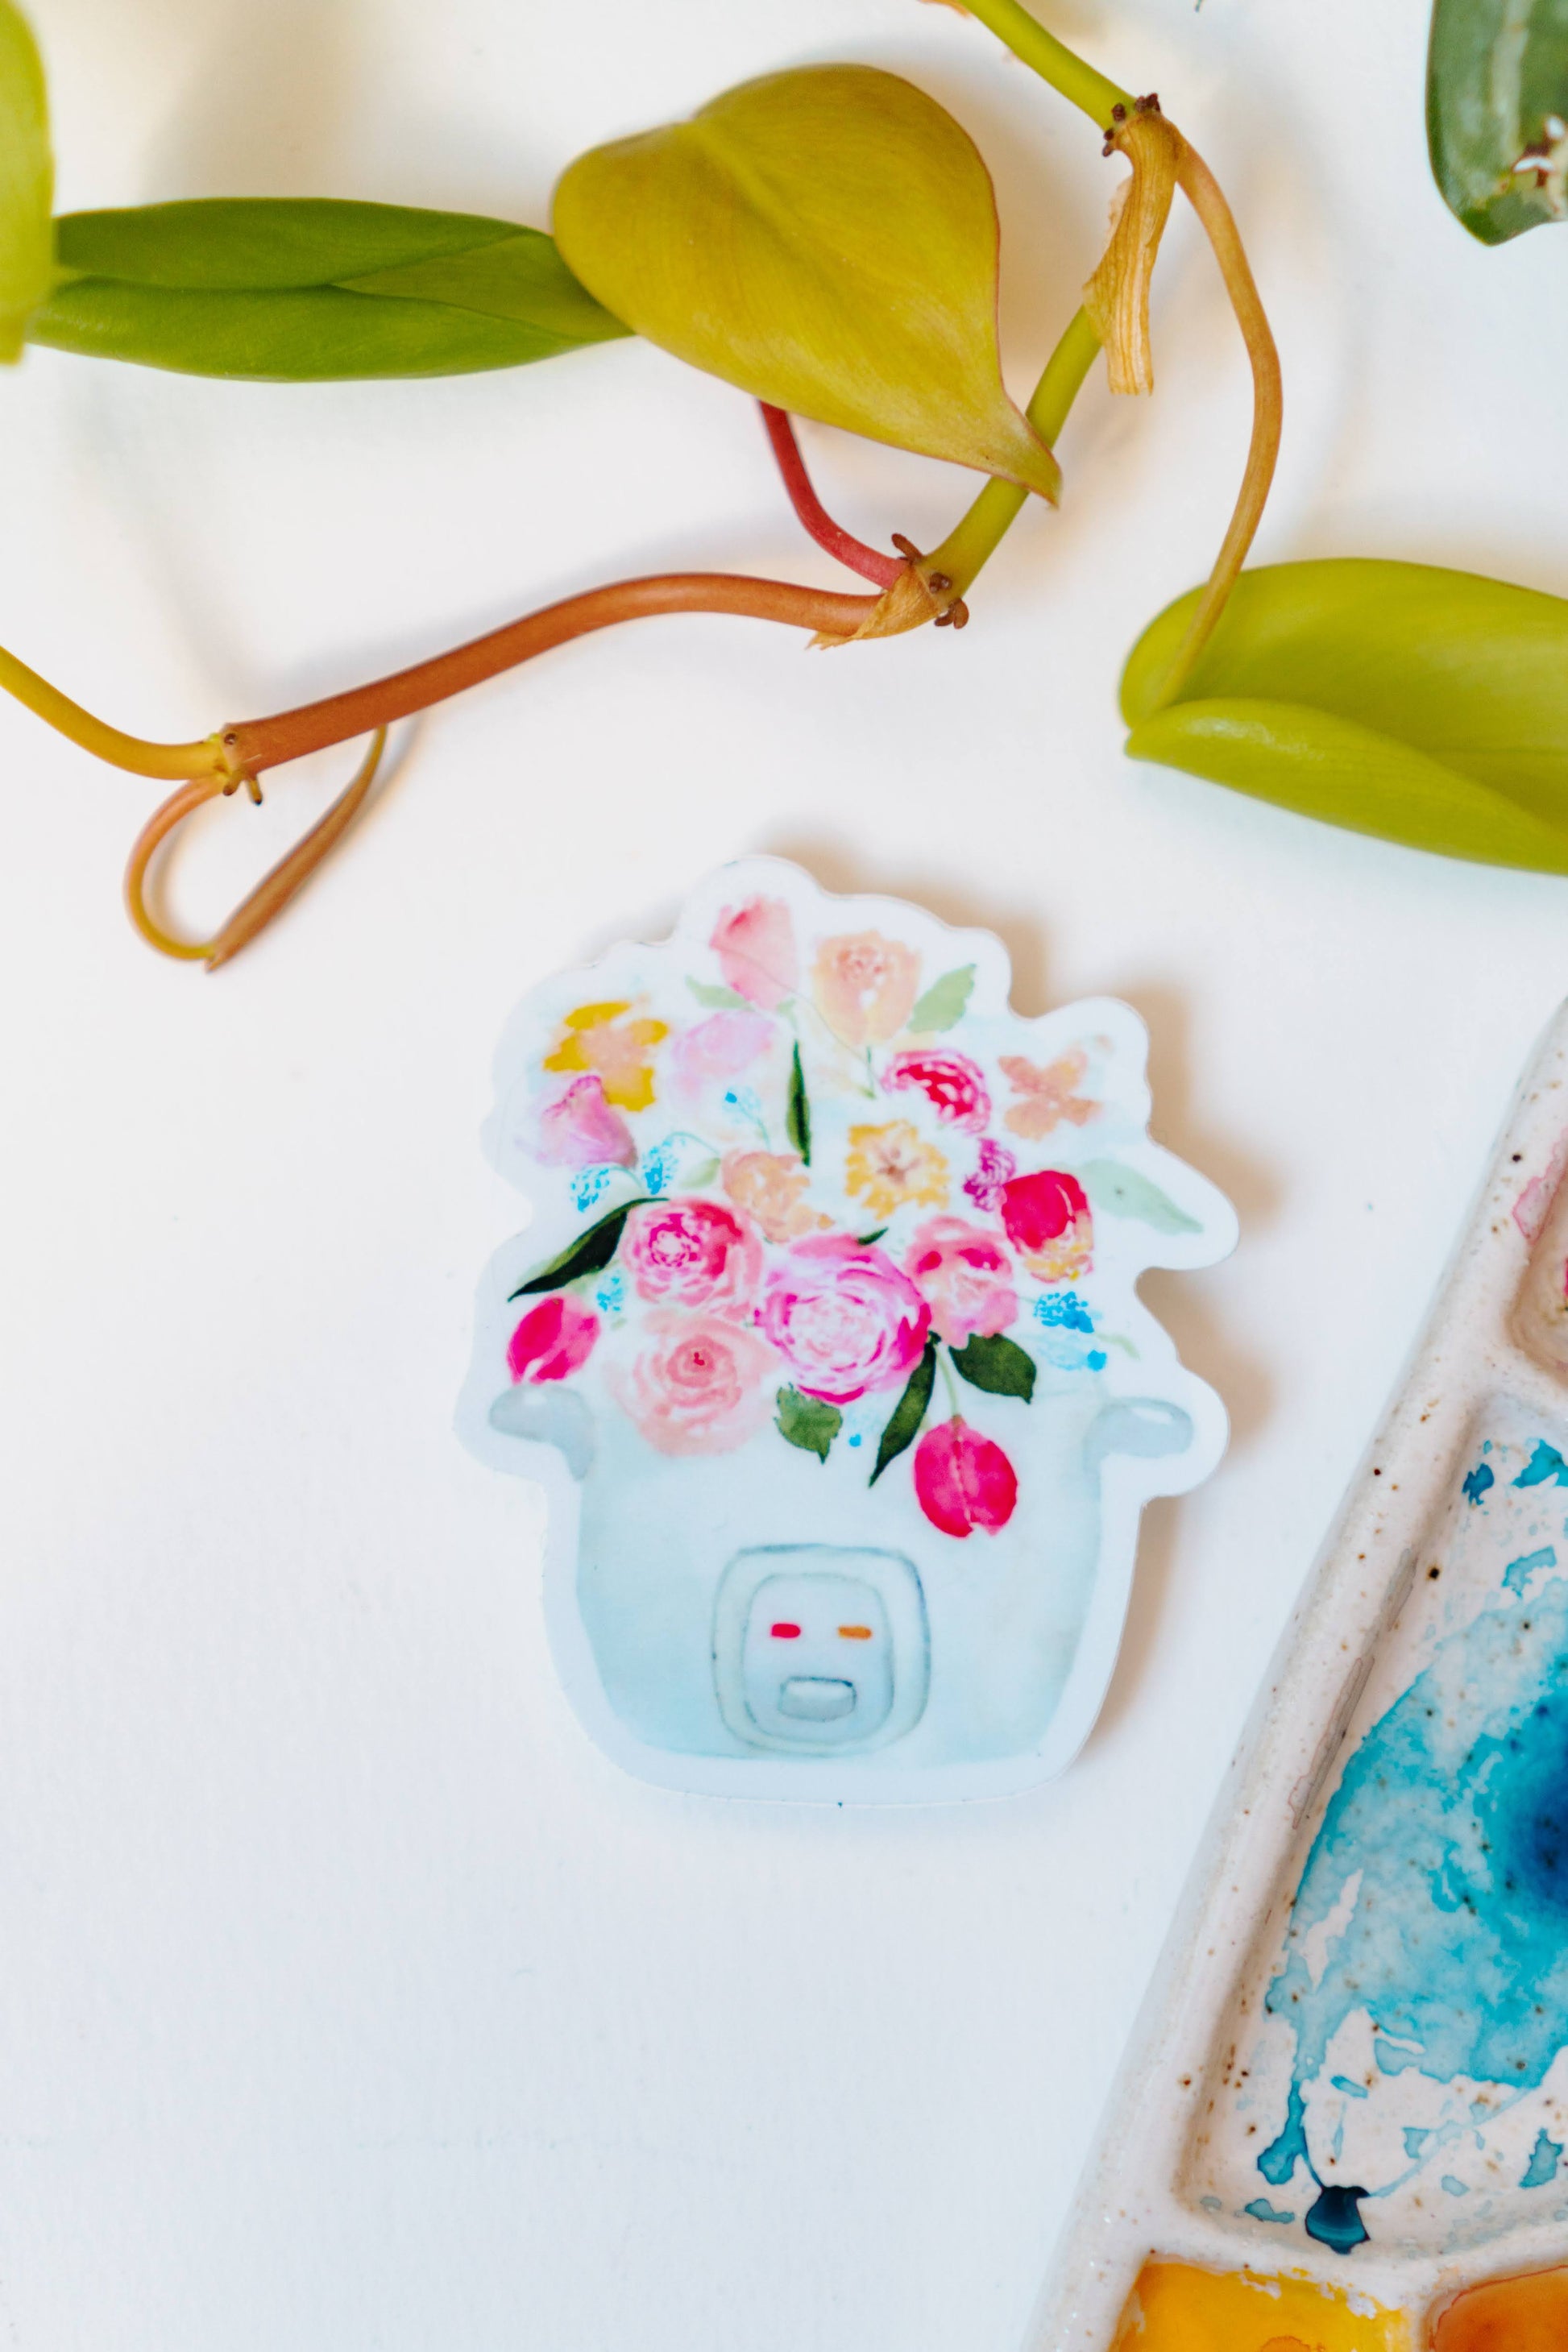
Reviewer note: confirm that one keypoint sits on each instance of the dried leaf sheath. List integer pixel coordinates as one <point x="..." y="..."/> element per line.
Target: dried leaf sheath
<point x="1117" y="297"/>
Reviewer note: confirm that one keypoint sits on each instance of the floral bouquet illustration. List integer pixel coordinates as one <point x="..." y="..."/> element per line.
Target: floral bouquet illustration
<point x="824" y="1337"/>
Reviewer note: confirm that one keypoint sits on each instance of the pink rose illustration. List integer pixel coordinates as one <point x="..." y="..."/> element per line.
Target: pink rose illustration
<point x="771" y="1186"/>
<point x="695" y="1384"/>
<point x="756" y="951"/>
<point x="844" y="1318"/>
<point x="995" y="1165"/>
<point x="864" y="986"/>
<point x="693" y="1254"/>
<point x="554" y="1340"/>
<point x="1048" y="1220"/>
<point x="965" y="1276"/>
<point x="580" y="1130"/>
<point x="962" y="1481"/>
<point x="717" y="1050"/>
<point x="951" y="1083"/>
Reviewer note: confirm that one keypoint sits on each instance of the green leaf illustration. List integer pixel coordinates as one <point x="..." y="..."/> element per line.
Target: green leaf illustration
<point x="797" y="1116"/>
<point x="1497" y="99"/>
<point x="26" y="181"/>
<point x="1121" y="1192"/>
<point x="904" y="1425"/>
<point x="826" y="239"/>
<point x="722" y="999"/>
<point x="808" y="1423"/>
<point x="944" y="1002"/>
<point x="997" y="1365"/>
<point x="311" y="290"/>
<point x="1423" y="705"/>
<point x="586" y="1254"/>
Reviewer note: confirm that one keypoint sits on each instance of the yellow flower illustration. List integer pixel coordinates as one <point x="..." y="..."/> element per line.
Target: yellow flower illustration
<point x="891" y="1167"/>
<point x="597" y="1038"/>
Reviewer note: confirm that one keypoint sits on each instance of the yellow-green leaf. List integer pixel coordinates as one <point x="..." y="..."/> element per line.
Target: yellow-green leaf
<point x="827" y="240"/>
<point x="1425" y="705"/>
<point x="27" y="181"/>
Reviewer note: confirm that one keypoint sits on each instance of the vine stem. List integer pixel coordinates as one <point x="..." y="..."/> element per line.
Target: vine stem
<point x="812" y="515"/>
<point x="1093" y="93"/>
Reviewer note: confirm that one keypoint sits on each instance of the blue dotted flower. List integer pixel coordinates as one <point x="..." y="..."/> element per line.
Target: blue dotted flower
<point x="1066" y="1310"/>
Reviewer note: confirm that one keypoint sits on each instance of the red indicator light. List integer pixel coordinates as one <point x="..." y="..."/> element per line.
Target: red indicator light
<point x="785" y="1633"/>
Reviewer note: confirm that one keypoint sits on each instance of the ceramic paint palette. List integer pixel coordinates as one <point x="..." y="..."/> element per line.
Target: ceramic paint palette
<point x="826" y="1343"/>
<point x="1343" y="2124"/>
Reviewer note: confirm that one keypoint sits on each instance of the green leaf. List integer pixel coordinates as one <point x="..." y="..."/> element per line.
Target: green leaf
<point x="723" y="1000"/>
<point x="589" y="1252"/>
<point x="797" y="1116"/>
<point x="1123" y="1192"/>
<point x="944" y="1002"/>
<point x="865" y="1240"/>
<point x="997" y="1365"/>
<point x="1497" y="99"/>
<point x="904" y="1425"/>
<point x="27" y="181"/>
<point x="1423" y="705"/>
<point x="311" y="290"/>
<point x="825" y="238"/>
<point x="807" y="1421"/>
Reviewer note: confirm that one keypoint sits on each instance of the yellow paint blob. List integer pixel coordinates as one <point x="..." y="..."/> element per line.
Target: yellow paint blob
<point x="1517" y="2314"/>
<point x="1176" y="2307"/>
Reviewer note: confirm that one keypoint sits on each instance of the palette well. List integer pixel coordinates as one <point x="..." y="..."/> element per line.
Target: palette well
<point x="1343" y="2123"/>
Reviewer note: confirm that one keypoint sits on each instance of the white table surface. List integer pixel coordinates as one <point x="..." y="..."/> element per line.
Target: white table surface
<point x="353" y="2003"/>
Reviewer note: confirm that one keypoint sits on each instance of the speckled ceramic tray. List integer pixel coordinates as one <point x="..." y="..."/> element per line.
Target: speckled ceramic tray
<point x="1341" y="2125"/>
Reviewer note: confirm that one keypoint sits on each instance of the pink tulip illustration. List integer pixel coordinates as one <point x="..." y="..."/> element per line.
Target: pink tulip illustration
<point x="964" y="1481"/>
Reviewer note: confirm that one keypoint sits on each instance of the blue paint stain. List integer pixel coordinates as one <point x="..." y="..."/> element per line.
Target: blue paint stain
<point x="1416" y="2140"/>
<point x="1518" y="1573"/>
<point x="1476" y="1484"/>
<point x="1355" y="2090"/>
<point x="1335" y="2221"/>
<point x="1545" y="1463"/>
<point x="1261" y="2210"/>
<point x="1277" y="2162"/>
<point x="1454" y="1810"/>
<point x="1212" y="2204"/>
<point x="1544" y="2159"/>
<point x="1456" y="2187"/>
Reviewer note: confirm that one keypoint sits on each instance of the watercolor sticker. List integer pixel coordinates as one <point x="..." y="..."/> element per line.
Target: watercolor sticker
<point x="822" y="1338"/>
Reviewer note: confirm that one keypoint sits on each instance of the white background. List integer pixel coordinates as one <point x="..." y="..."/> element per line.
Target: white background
<point x="350" y="2000"/>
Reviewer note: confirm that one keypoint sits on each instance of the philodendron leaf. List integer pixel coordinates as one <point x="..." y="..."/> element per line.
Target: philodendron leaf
<point x="825" y="238"/>
<point x="1425" y="706"/>
<point x="27" y="181"/>
<point x="1497" y="113"/>
<point x="310" y="289"/>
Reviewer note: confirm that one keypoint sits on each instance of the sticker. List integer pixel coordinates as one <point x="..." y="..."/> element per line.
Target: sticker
<point x="823" y="1339"/>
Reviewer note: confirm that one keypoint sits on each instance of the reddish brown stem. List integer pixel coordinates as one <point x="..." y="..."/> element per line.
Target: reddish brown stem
<point x="841" y="543"/>
<point x="258" y="743"/>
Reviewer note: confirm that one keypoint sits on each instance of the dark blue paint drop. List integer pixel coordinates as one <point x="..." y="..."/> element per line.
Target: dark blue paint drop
<point x="1543" y="1463"/>
<point x="1335" y="2221"/>
<point x="1476" y="1485"/>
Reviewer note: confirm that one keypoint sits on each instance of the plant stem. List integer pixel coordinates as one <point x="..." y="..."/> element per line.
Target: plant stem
<point x="1051" y="59"/>
<point x="258" y="743"/>
<point x="812" y="515"/>
<point x="975" y="538"/>
<point x="69" y="718"/>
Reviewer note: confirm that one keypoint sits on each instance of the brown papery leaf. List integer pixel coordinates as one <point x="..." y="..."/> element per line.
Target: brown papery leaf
<point x="1117" y="297"/>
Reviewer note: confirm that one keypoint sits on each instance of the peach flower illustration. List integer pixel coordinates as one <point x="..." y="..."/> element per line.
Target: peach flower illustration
<point x="892" y="1167"/>
<point x="695" y="1384"/>
<point x="756" y="951"/>
<point x="599" y="1037"/>
<point x="966" y="1276"/>
<point x="770" y="1186"/>
<point x="864" y="986"/>
<point x="1048" y="1093"/>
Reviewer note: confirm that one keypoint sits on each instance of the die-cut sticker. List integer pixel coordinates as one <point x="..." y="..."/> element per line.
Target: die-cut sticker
<point x="824" y="1341"/>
